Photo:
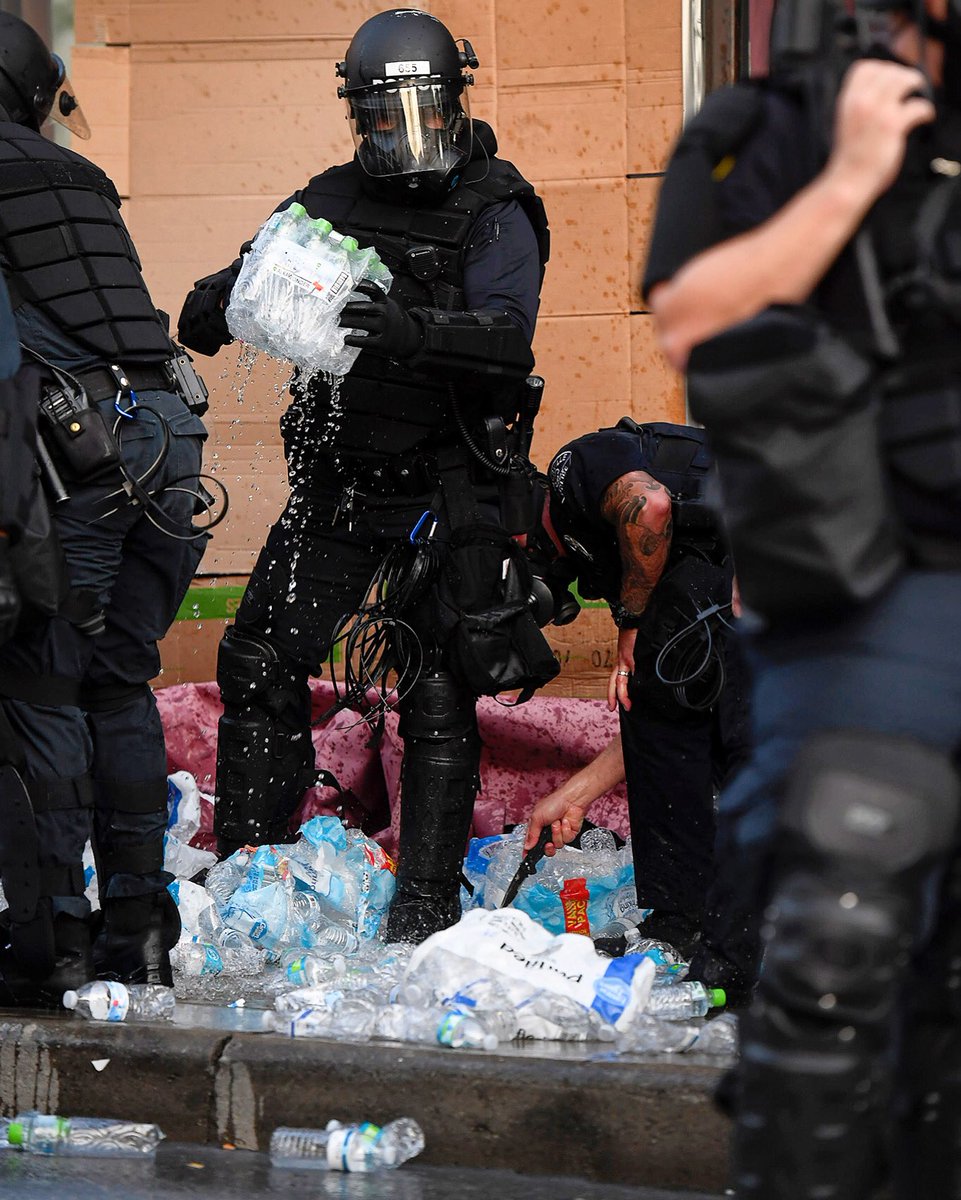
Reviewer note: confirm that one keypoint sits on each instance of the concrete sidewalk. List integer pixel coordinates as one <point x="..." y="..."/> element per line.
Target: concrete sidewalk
<point x="207" y="1078"/>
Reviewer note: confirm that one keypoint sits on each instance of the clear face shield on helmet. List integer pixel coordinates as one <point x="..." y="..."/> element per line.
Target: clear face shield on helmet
<point x="65" y="108"/>
<point x="411" y="127"/>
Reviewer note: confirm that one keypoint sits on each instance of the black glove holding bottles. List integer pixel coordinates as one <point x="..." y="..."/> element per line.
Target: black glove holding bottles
<point x="203" y="323"/>
<point x="388" y="329"/>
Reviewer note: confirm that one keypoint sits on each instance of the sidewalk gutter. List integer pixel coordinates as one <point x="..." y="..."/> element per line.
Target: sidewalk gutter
<point x="579" y="1113"/>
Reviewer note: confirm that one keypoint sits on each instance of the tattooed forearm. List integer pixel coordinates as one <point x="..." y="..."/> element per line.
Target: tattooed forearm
<point x="640" y="510"/>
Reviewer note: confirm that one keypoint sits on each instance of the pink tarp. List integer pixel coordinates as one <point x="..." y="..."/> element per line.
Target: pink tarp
<point x="527" y="752"/>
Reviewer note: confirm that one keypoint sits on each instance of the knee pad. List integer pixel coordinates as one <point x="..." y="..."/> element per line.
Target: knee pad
<point x="866" y="820"/>
<point x="438" y="709"/>
<point x="251" y="673"/>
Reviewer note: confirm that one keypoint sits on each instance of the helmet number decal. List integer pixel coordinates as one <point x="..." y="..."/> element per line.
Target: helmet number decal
<point x="410" y="67"/>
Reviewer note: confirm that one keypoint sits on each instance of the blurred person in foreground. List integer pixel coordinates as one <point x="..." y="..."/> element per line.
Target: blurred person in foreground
<point x="804" y="272"/>
<point x="627" y="510"/>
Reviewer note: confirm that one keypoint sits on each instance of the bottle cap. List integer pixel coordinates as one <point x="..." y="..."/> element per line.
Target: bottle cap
<point x="15" y="1133"/>
<point x="70" y="999"/>
<point x="718" y="997"/>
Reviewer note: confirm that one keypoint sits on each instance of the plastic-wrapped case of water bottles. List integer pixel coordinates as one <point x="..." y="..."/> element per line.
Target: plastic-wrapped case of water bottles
<point x="292" y="287"/>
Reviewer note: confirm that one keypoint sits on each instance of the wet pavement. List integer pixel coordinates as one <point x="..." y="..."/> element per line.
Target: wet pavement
<point x="185" y="1172"/>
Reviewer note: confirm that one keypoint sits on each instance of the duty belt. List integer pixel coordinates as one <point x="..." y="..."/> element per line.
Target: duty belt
<point x="388" y="474"/>
<point x="102" y="383"/>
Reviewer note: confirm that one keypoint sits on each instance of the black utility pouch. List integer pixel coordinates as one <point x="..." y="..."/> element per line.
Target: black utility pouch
<point x="78" y="434"/>
<point x="494" y="643"/>
<point x="792" y="414"/>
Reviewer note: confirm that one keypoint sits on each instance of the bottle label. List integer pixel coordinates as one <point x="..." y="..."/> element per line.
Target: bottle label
<point x="47" y="1132"/>
<point x="213" y="963"/>
<point x="118" y="1002"/>
<point x="347" y="1147"/>
<point x="447" y="1029"/>
<point x="575" y="914"/>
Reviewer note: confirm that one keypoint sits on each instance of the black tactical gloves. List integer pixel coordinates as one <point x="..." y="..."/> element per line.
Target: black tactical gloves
<point x="203" y="324"/>
<point x="390" y="329"/>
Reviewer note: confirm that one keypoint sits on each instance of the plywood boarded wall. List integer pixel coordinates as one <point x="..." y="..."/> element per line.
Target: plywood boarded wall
<point x="207" y="114"/>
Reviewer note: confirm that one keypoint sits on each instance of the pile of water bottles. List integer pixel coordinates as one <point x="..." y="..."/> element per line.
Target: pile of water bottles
<point x="296" y="931"/>
<point x="292" y="286"/>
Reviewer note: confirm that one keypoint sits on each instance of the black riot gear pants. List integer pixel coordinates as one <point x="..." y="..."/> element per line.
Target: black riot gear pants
<point x="79" y="705"/>
<point x="315" y="568"/>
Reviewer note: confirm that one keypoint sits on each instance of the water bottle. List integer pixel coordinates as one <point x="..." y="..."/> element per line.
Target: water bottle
<point x="39" y="1134"/>
<point x="105" y="1000"/>
<point x="204" y="958"/>
<point x="619" y="935"/>
<point x="432" y="1027"/>
<point x="718" y="1036"/>
<point x="225" y="877"/>
<point x="682" y="1001"/>
<point x="345" y="1020"/>
<point x="339" y="1147"/>
<point x="289" y="222"/>
<point x="309" y="970"/>
<point x="320" y="932"/>
<point x="650" y="1035"/>
<point x="668" y="965"/>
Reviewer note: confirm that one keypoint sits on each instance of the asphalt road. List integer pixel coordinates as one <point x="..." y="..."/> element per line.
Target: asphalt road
<point x="185" y="1172"/>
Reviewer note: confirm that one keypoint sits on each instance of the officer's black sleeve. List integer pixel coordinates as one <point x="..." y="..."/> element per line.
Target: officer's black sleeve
<point x="737" y="163"/>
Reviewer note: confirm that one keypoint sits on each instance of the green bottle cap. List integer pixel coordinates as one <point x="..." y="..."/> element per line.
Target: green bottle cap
<point x="323" y="227"/>
<point x="15" y="1133"/>
<point x="297" y="210"/>
<point x="350" y="243"/>
<point x="718" y="997"/>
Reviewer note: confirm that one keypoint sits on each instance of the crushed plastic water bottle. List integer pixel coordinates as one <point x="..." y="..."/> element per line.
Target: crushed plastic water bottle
<point x="105" y="1000"/>
<point x="203" y="958"/>
<point x="433" y="1027"/>
<point x="340" y="1147"/>
<point x="651" y="1035"/>
<point x="344" y="1020"/>
<point x="36" y="1133"/>
<point x="292" y="287"/>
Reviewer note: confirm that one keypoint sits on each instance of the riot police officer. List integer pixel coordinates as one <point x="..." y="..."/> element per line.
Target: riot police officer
<point x="122" y="451"/>
<point x="628" y="509"/>
<point x="816" y="311"/>
<point x="413" y="447"/>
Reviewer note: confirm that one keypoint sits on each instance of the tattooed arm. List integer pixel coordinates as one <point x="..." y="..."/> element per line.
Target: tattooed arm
<point x="639" y="508"/>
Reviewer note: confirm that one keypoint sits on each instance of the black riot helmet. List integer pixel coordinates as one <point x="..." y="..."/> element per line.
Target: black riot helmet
<point x="33" y="82"/>
<point x="406" y="95"/>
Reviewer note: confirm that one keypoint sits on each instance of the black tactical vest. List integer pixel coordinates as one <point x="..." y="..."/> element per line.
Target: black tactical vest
<point x="384" y="407"/>
<point x="678" y="457"/>
<point x="65" y="249"/>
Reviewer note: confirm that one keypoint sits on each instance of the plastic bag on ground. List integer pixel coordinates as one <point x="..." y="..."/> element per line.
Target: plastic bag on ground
<point x="512" y="944"/>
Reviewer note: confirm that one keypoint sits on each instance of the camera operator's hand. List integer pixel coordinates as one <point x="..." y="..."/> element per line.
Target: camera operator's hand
<point x="877" y="108"/>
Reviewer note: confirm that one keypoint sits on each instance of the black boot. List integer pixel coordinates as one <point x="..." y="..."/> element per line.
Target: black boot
<point x="73" y="967"/>
<point x="136" y="936"/>
<point x="439" y="786"/>
<point x="680" y="930"/>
